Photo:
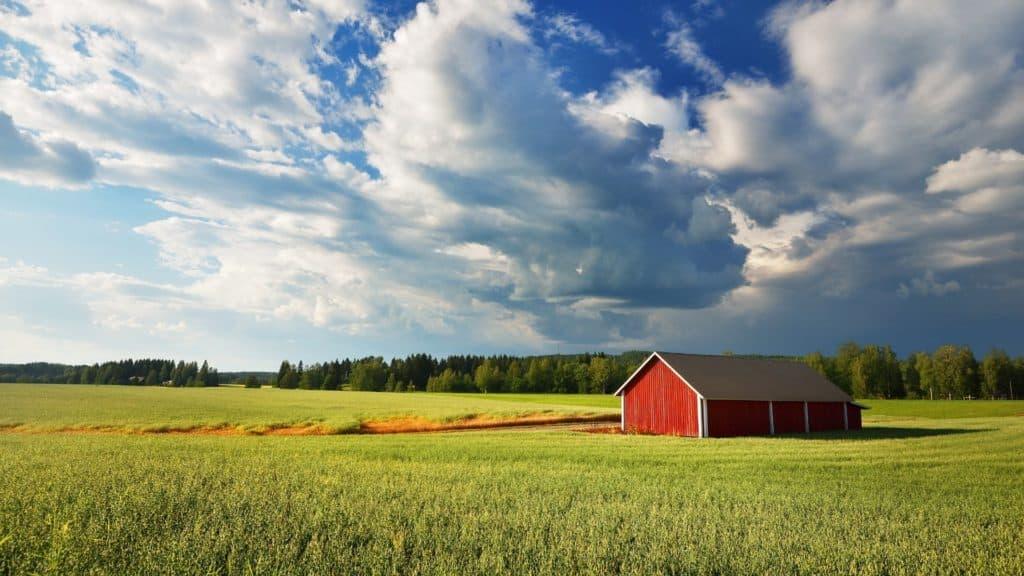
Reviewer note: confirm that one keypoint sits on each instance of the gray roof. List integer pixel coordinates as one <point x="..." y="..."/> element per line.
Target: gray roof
<point x="738" y="378"/>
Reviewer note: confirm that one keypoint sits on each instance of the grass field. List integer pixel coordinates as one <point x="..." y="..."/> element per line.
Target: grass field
<point x="58" y="406"/>
<point x="945" y="408"/>
<point x="908" y="495"/>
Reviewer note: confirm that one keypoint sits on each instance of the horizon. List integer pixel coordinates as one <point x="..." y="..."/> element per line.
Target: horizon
<point x="315" y="180"/>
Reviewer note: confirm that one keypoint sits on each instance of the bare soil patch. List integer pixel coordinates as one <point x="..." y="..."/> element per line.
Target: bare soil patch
<point x="481" y="422"/>
<point x="600" y="429"/>
<point x="401" y="425"/>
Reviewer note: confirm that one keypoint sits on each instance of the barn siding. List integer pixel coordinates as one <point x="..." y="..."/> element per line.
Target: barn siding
<point x="737" y="418"/>
<point x="789" y="417"/>
<point x="659" y="402"/>
<point x="853" y="417"/>
<point x="825" y="415"/>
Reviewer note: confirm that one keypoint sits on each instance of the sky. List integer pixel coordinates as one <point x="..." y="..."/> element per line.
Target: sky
<point x="309" y="179"/>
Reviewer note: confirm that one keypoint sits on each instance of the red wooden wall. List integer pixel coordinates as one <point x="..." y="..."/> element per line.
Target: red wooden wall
<point x="825" y="415"/>
<point x="737" y="418"/>
<point x="789" y="417"/>
<point x="659" y="402"/>
<point x="853" y="417"/>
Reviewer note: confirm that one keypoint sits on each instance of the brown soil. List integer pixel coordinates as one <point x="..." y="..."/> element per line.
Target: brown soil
<point x="600" y="430"/>
<point x="417" y="424"/>
<point x="389" y="426"/>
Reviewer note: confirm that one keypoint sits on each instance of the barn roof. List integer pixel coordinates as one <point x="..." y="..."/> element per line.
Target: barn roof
<point x="738" y="378"/>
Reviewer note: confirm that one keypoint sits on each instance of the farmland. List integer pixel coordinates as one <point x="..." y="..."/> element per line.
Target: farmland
<point x="913" y="493"/>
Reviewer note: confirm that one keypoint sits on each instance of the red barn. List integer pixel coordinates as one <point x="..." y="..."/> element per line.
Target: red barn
<point x="701" y="395"/>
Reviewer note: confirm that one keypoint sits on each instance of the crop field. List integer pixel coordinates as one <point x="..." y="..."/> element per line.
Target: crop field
<point x="910" y="494"/>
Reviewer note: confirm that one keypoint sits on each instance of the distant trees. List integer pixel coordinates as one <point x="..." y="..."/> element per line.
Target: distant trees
<point x="369" y="374"/>
<point x="949" y="372"/>
<point x="868" y="371"/>
<point x="129" y="372"/>
<point x="450" y="381"/>
<point x="955" y="372"/>
<point x="997" y="374"/>
<point x="488" y="377"/>
<point x="865" y="371"/>
<point x="875" y="371"/>
<point x="583" y="373"/>
<point x="287" y="377"/>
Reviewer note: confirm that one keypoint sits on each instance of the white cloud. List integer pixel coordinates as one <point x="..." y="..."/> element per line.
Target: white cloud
<point x="977" y="169"/>
<point x="477" y="143"/>
<point x="573" y="29"/>
<point x="485" y="198"/>
<point x="681" y="43"/>
<point x="22" y="274"/>
<point x="175" y="78"/>
<point x="988" y="181"/>
<point x="632" y="96"/>
<point x="29" y="160"/>
<point x="879" y="102"/>
<point x="480" y="254"/>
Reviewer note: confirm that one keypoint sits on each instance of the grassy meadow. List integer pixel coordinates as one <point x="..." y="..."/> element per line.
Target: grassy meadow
<point x="911" y="494"/>
<point x="42" y="407"/>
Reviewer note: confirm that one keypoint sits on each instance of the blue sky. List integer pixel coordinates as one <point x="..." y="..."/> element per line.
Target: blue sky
<point x="247" y="182"/>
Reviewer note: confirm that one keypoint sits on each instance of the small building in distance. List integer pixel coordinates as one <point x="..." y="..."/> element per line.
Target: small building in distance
<point x="719" y="396"/>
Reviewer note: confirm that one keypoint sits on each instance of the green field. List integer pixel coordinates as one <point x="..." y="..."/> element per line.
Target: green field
<point x="944" y="408"/>
<point x="908" y="495"/>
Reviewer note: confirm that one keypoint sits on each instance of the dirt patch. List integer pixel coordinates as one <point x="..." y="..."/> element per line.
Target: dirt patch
<point x="403" y="425"/>
<point x="600" y="429"/>
<point x="483" y="422"/>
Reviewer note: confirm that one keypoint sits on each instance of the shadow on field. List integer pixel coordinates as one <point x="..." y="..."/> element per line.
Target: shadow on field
<point x="888" y="433"/>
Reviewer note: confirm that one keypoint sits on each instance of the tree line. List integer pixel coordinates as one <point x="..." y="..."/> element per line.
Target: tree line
<point x="874" y="371"/>
<point x="868" y="371"/>
<point x="572" y="374"/>
<point x="138" y="372"/>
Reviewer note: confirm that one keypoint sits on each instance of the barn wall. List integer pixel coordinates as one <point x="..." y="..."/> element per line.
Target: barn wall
<point x="737" y="418"/>
<point x="789" y="417"/>
<point x="659" y="402"/>
<point x="853" y="417"/>
<point x="825" y="415"/>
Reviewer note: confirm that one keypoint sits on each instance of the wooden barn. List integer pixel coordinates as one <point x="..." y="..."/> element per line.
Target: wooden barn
<point x="717" y="396"/>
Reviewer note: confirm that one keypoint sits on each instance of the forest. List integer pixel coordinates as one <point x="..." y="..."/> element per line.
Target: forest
<point x="868" y="371"/>
<point x="141" y="372"/>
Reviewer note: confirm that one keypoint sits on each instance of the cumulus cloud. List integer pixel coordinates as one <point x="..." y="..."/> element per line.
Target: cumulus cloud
<point x="632" y="96"/>
<point x="447" y="181"/>
<point x="988" y="181"/>
<point x="879" y="102"/>
<point x="471" y="116"/>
